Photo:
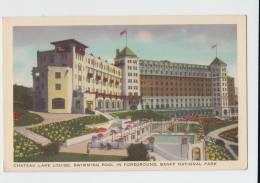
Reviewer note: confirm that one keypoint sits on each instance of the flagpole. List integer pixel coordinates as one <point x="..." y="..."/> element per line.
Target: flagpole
<point x="126" y="39"/>
<point x="216" y="50"/>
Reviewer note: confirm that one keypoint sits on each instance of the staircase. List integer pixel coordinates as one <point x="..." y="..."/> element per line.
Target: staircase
<point x="107" y="115"/>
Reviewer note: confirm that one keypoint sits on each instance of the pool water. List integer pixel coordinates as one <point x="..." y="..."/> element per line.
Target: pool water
<point x="175" y="139"/>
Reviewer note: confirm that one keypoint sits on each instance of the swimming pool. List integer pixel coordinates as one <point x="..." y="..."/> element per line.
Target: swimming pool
<point x="175" y="139"/>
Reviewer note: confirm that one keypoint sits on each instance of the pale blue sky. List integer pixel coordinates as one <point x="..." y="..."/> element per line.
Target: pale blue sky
<point x="176" y="43"/>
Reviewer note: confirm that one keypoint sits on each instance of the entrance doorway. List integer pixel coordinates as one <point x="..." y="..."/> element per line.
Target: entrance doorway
<point x="89" y="105"/>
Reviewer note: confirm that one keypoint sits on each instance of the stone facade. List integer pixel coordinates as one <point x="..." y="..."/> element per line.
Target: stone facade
<point x="76" y="81"/>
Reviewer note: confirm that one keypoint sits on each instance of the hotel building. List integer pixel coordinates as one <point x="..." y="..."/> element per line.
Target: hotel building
<point x="67" y="79"/>
<point x="187" y="89"/>
<point x="128" y="62"/>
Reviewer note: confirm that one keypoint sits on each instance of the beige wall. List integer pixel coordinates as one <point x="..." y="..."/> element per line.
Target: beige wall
<point x="66" y="88"/>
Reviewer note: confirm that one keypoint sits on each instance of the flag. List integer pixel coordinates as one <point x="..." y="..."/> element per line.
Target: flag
<point x="123" y="32"/>
<point x="214" y="46"/>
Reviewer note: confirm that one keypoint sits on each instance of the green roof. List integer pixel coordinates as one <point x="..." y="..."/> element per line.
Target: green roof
<point x="218" y="61"/>
<point x="126" y="52"/>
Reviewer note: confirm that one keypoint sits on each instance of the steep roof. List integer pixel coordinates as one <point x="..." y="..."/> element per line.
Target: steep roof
<point x="217" y="61"/>
<point x="126" y="52"/>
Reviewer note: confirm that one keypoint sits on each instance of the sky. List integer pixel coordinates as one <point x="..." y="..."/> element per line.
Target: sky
<point x="176" y="43"/>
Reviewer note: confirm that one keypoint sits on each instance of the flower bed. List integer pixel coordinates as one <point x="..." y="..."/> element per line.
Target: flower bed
<point x="142" y="114"/>
<point x="17" y="115"/>
<point x="230" y="135"/>
<point x="217" y="152"/>
<point x="100" y="130"/>
<point x="24" y="147"/>
<point x="26" y="118"/>
<point x="61" y="131"/>
<point x="211" y="124"/>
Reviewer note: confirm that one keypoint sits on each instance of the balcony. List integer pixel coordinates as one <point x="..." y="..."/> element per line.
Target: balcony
<point x="105" y="79"/>
<point x="98" y="77"/>
<point x="90" y="75"/>
<point x="111" y="81"/>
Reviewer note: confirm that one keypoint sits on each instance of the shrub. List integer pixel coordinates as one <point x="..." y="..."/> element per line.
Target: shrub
<point x="22" y="97"/>
<point x="152" y="158"/>
<point x="220" y="142"/>
<point x="151" y="139"/>
<point x="51" y="149"/>
<point x="137" y="152"/>
<point x="133" y="107"/>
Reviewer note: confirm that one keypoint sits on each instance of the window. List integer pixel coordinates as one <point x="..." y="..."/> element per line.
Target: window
<point x="57" y="75"/>
<point x="57" y="86"/>
<point x="79" y="78"/>
<point x="58" y="103"/>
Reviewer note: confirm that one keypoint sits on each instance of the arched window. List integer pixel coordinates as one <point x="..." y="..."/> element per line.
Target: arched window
<point x="196" y="153"/>
<point x="58" y="103"/>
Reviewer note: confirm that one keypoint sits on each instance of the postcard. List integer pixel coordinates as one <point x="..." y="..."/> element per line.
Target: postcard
<point x="125" y="93"/>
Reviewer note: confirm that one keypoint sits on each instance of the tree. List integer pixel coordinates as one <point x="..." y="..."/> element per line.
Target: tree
<point x="22" y="97"/>
<point x="51" y="149"/>
<point x="137" y="152"/>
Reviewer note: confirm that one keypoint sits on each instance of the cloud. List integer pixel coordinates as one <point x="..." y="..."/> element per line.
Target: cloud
<point x="198" y="38"/>
<point x="145" y="36"/>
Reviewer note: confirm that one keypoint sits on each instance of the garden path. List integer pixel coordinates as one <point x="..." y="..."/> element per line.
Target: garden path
<point x="82" y="149"/>
<point x="47" y="119"/>
<point x="106" y="114"/>
<point x="53" y="117"/>
<point x="215" y="134"/>
<point x="33" y="136"/>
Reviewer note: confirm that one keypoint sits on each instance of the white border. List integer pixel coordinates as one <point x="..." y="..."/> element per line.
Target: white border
<point x="145" y="7"/>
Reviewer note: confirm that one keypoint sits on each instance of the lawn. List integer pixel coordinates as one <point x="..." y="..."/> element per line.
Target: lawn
<point x="25" y="150"/>
<point x="142" y="114"/>
<point x="182" y="128"/>
<point x="61" y="131"/>
<point x="70" y="157"/>
<point x="24" y="118"/>
<point x="234" y="148"/>
<point x="24" y="147"/>
<point x="211" y="124"/>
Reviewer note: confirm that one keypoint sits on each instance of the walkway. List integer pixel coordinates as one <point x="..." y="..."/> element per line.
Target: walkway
<point x="215" y="135"/>
<point x="107" y="115"/>
<point x="82" y="149"/>
<point x="47" y="119"/>
<point x="33" y="136"/>
<point x="52" y="117"/>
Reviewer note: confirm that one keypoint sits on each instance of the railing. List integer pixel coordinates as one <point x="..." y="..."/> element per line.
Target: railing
<point x="170" y="155"/>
